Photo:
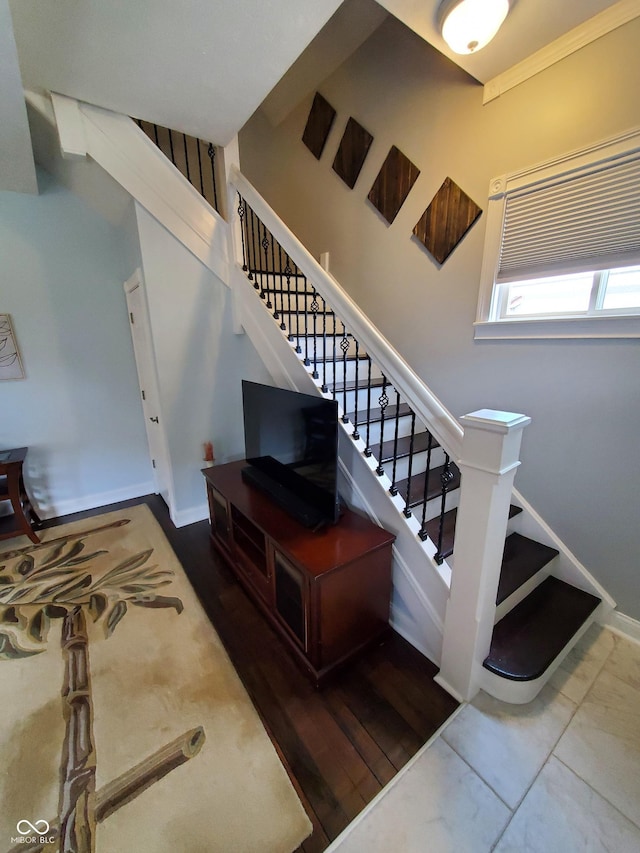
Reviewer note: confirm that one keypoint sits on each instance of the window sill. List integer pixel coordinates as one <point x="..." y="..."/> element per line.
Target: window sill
<point x="559" y="327"/>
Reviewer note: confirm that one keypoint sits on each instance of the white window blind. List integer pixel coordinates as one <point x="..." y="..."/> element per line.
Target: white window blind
<point x="587" y="220"/>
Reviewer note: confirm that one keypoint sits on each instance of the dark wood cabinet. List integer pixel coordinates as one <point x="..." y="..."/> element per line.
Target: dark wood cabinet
<point x="327" y="593"/>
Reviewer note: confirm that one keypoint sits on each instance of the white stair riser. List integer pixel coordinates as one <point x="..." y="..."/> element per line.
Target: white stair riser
<point x="346" y="371"/>
<point x="417" y="466"/>
<point x="324" y="344"/>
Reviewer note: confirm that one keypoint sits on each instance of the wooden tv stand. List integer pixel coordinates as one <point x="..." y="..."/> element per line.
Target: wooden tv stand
<point x="326" y="593"/>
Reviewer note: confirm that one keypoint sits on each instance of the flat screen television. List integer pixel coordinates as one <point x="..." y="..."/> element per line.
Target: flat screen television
<point x="291" y="447"/>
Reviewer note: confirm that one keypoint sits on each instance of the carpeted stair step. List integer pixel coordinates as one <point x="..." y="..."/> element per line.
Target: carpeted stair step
<point x="448" y="534"/>
<point x="522" y="559"/>
<point x="532" y="635"/>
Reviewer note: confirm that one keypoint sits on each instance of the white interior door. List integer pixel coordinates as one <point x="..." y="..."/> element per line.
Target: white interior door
<point x="145" y="363"/>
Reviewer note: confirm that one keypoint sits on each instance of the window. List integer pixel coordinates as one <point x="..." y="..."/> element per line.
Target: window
<point x="562" y="249"/>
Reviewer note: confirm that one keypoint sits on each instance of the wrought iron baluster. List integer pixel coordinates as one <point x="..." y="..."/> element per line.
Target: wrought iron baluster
<point x="241" y="213"/>
<point x="173" y="158"/>
<point x="324" y="345"/>
<point x="211" y="151"/>
<point x="287" y="274"/>
<point x="251" y="260"/>
<point x="344" y="346"/>
<point x="445" y="478"/>
<point x="155" y="133"/>
<point x="306" y="324"/>
<point x="255" y="239"/>
<point x="283" y="325"/>
<point x="265" y="247"/>
<point x="198" y="143"/>
<point x="276" y="313"/>
<point x="315" y="305"/>
<point x="355" y="434"/>
<point x="407" y="500"/>
<point x="186" y="156"/>
<point x="334" y="361"/>
<point x="383" y="400"/>
<point x="425" y="497"/>
<point x="367" y="450"/>
<point x="394" y="489"/>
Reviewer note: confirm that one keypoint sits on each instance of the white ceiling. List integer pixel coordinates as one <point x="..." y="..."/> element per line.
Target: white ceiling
<point x="530" y="25"/>
<point x="204" y="66"/>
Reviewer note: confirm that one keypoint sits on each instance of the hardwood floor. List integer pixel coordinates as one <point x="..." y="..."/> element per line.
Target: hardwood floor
<point x="341" y="744"/>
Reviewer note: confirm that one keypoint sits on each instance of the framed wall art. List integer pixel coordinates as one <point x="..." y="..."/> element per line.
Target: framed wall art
<point x="10" y="362"/>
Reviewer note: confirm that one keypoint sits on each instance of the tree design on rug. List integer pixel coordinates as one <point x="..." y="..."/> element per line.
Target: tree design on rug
<point x="62" y="585"/>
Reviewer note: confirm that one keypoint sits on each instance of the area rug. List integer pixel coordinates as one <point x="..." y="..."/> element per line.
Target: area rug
<point x="123" y="724"/>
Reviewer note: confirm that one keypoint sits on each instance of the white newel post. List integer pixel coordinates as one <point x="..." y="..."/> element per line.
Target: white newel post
<point x="490" y="458"/>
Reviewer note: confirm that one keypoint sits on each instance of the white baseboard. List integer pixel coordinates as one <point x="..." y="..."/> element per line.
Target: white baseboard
<point x="624" y="625"/>
<point x="68" y="507"/>
<point x="190" y="515"/>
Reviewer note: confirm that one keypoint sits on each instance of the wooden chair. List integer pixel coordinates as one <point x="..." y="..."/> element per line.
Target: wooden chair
<point x="12" y="489"/>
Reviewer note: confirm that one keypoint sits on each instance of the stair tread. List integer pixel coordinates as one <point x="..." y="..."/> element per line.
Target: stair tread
<point x="376" y="414"/>
<point x="361" y="385"/>
<point x="420" y="444"/>
<point x="448" y="533"/>
<point x="532" y="635"/>
<point x="434" y="488"/>
<point x="522" y="559"/>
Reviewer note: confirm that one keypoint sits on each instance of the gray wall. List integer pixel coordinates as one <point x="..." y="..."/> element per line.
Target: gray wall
<point x="200" y="362"/>
<point x="580" y="455"/>
<point x="78" y="410"/>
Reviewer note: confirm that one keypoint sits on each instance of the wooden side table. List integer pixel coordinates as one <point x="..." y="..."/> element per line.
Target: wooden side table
<point x="12" y="489"/>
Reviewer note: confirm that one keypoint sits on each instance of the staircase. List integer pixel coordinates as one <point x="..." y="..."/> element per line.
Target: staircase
<point x="538" y="616"/>
<point x="398" y="446"/>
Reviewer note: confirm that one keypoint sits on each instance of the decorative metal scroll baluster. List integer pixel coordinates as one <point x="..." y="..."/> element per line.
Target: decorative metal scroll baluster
<point x="355" y="434"/>
<point x="306" y="324"/>
<point x="251" y="260"/>
<point x="211" y="151"/>
<point x="265" y="247"/>
<point x="394" y="489"/>
<point x="445" y="478"/>
<point x="315" y="305"/>
<point x="287" y="273"/>
<point x="333" y="361"/>
<point x="425" y="498"/>
<point x="367" y="450"/>
<point x="407" y="501"/>
<point x="383" y="400"/>
<point x="241" y="213"/>
<point x="344" y="346"/>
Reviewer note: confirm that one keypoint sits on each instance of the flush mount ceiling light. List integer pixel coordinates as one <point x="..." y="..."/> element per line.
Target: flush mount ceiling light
<point x="468" y="25"/>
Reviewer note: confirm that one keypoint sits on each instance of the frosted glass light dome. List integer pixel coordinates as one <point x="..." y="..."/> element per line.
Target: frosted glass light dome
<point x="469" y="25"/>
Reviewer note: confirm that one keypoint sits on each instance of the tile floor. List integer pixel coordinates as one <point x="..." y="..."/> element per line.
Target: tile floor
<point x="558" y="775"/>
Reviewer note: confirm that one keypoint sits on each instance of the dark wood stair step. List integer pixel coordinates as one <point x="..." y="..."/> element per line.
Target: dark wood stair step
<point x="420" y="444"/>
<point x="448" y="534"/>
<point x="533" y="634"/>
<point x="376" y="414"/>
<point x="434" y="487"/>
<point x="360" y="385"/>
<point x="522" y="559"/>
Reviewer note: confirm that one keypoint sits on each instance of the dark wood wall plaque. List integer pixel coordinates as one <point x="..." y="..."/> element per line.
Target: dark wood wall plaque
<point x="354" y="146"/>
<point x="319" y="122"/>
<point x="447" y="219"/>
<point x="393" y="184"/>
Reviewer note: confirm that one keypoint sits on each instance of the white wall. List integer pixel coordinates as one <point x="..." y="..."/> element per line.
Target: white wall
<point x="200" y="362"/>
<point x="78" y="410"/>
<point x="581" y="454"/>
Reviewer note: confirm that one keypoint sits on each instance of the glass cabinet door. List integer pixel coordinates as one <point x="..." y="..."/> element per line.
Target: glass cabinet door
<point x="219" y="515"/>
<point x="291" y="598"/>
